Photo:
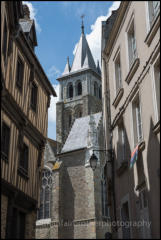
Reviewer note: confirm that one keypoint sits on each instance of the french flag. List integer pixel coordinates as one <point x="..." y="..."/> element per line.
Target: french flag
<point x="134" y="156"/>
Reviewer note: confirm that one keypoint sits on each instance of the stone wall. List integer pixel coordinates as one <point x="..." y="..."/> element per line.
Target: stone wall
<point x="43" y="231"/>
<point x="4" y="204"/>
<point x="30" y="225"/>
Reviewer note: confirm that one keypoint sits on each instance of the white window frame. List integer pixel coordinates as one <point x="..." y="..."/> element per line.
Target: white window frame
<point x="137" y="95"/>
<point x="128" y="29"/>
<point x="155" y="105"/>
<point x="148" y="16"/>
<point x="118" y="82"/>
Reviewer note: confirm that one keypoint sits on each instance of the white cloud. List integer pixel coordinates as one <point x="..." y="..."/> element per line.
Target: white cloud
<point x="53" y="72"/>
<point x="33" y="13"/>
<point x="52" y="108"/>
<point x="94" y="37"/>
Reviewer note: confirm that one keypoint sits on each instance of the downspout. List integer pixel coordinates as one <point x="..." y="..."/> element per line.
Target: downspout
<point x="108" y="129"/>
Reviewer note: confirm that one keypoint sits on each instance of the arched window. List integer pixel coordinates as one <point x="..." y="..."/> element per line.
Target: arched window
<point x="79" y="88"/>
<point x="45" y="195"/>
<point x="70" y="91"/>
<point x="95" y="89"/>
<point x="78" y="114"/>
<point x="100" y="92"/>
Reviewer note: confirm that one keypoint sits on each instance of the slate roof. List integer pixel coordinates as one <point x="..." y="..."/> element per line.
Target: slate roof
<point x="77" y="138"/>
<point x="83" y="57"/>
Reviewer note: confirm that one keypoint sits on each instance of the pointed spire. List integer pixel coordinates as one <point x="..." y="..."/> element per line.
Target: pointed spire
<point x="83" y="57"/>
<point x="98" y="67"/>
<point x="67" y="67"/>
<point x="82" y="24"/>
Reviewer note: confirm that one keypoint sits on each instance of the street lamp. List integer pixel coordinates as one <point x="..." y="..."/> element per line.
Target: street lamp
<point x="93" y="159"/>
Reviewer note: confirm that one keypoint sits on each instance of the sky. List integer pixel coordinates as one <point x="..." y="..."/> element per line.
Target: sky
<point x="58" y="28"/>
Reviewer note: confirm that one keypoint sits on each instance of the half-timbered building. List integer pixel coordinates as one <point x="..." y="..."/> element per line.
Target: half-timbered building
<point x="26" y="93"/>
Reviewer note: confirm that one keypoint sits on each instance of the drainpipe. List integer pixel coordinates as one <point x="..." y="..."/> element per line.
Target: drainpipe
<point x="108" y="129"/>
<point x="113" y="178"/>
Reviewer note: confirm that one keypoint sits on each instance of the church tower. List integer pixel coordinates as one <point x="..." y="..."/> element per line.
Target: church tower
<point x="80" y="89"/>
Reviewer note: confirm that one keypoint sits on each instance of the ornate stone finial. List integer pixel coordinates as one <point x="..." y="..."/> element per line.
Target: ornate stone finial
<point x="26" y="11"/>
<point x="82" y="23"/>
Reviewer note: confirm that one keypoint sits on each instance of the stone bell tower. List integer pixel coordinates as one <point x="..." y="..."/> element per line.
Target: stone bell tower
<point x="80" y="89"/>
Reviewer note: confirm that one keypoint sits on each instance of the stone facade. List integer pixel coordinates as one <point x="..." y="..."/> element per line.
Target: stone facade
<point x="86" y="103"/>
<point x="135" y="188"/>
<point x="77" y="194"/>
<point x="76" y="207"/>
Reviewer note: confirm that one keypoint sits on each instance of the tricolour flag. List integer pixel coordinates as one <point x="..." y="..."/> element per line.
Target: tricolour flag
<point x="134" y="156"/>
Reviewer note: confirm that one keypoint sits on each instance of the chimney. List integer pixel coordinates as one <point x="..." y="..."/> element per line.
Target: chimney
<point x="26" y="11"/>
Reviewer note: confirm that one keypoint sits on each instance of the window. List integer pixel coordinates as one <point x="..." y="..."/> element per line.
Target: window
<point x="131" y="44"/>
<point x="137" y="122"/>
<point x="95" y="89"/>
<point x="5" y="40"/>
<point x="78" y="114"/>
<point x="79" y="88"/>
<point x="143" y="201"/>
<point x="70" y="90"/>
<point x="19" y="73"/>
<point x="100" y="92"/>
<point x="157" y="88"/>
<point x="17" y="221"/>
<point x="121" y="142"/>
<point x="23" y="163"/>
<point x="118" y="73"/>
<point x="125" y="218"/>
<point x="154" y="9"/>
<point x="34" y="96"/>
<point x="5" y="141"/>
<point x="45" y="195"/>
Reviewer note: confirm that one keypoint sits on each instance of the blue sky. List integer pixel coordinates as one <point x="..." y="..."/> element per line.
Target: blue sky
<point x="58" y="26"/>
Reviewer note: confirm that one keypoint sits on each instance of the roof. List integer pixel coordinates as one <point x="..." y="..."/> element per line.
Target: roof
<point x="83" y="58"/>
<point x="77" y="138"/>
